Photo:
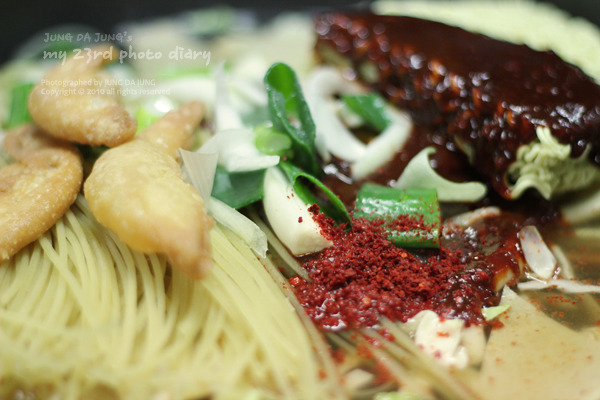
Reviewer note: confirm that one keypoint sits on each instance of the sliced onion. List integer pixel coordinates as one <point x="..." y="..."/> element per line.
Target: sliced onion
<point x="200" y="169"/>
<point x="566" y="285"/>
<point x="237" y="151"/>
<point x="419" y="174"/>
<point x="241" y="225"/>
<point x="470" y="217"/>
<point x="337" y="139"/>
<point x="383" y="148"/>
<point x="537" y="254"/>
<point x="332" y="135"/>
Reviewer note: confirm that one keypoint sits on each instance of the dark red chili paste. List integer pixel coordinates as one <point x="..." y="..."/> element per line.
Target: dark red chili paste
<point x="363" y="276"/>
<point x="488" y="95"/>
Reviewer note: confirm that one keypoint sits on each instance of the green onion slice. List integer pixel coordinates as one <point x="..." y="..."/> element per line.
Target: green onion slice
<point x="19" y="114"/>
<point x="272" y="142"/>
<point x="370" y="107"/>
<point x="312" y="191"/>
<point x="411" y="216"/>
<point x="238" y="189"/>
<point x="290" y="114"/>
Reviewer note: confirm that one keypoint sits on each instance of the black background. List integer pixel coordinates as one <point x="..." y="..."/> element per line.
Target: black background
<point x="20" y="19"/>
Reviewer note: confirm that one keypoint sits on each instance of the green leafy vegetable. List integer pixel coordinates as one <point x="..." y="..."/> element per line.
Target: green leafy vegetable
<point x="312" y="191"/>
<point x="238" y="189"/>
<point x="394" y="206"/>
<point x="370" y="107"/>
<point x="272" y="142"/>
<point x="19" y="114"/>
<point x="290" y="114"/>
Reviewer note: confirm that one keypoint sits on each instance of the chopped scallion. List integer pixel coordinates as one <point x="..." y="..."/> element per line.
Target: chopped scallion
<point x="370" y="107"/>
<point x="411" y="216"/>
<point x="272" y="142"/>
<point x="290" y="114"/>
<point x="238" y="189"/>
<point x="312" y="191"/>
<point x="19" y="114"/>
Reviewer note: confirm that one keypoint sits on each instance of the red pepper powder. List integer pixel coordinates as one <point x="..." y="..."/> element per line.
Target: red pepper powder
<point x="363" y="277"/>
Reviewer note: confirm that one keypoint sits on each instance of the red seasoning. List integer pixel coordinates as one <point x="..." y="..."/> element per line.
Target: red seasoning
<point x="364" y="277"/>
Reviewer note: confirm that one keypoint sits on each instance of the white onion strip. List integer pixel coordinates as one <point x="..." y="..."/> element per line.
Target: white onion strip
<point x="567" y="286"/>
<point x="537" y="254"/>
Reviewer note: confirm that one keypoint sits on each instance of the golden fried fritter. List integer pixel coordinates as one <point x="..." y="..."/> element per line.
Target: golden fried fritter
<point x="137" y="191"/>
<point x="37" y="189"/>
<point x="76" y="102"/>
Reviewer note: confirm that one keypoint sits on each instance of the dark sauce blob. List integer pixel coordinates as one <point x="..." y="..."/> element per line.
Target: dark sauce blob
<point x="487" y="96"/>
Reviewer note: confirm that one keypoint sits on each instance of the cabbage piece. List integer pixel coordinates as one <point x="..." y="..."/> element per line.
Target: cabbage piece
<point x="546" y="165"/>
